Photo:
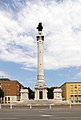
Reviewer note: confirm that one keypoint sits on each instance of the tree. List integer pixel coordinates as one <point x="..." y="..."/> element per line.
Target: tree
<point x="50" y="92"/>
<point x="1" y="93"/>
<point x="31" y="93"/>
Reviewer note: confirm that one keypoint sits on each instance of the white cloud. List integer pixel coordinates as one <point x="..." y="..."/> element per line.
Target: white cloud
<point x="62" y="30"/>
<point x="78" y="74"/>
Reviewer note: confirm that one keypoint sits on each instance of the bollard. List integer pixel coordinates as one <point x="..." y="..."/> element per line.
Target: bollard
<point x="50" y="106"/>
<point x="10" y="106"/>
<point x="70" y="104"/>
<point x="0" y="106"/>
<point x="30" y="106"/>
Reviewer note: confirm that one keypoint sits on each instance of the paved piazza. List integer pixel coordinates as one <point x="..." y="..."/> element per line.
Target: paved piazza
<point x="41" y="114"/>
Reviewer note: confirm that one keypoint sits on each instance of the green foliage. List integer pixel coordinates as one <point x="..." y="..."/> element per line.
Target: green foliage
<point x="31" y="93"/>
<point x="50" y="93"/>
<point x="1" y="93"/>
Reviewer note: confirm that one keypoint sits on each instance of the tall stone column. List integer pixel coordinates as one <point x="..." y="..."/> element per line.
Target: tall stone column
<point x="40" y="87"/>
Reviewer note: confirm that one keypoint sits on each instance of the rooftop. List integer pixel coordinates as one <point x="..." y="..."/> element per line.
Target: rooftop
<point x="4" y="79"/>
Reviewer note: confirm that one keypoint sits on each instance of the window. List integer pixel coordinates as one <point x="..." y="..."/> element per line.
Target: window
<point x="71" y="95"/>
<point x="8" y="84"/>
<point x="71" y="91"/>
<point x="79" y="86"/>
<point x="75" y="91"/>
<point x="5" y="99"/>
<point x="75" y="86"/>
<point x="79" y="91"/>
<point x="71" y="86"/>
<point x="8" y="98"/>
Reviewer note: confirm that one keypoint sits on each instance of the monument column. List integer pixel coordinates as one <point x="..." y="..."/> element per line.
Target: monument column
<point x="40" y="87"/>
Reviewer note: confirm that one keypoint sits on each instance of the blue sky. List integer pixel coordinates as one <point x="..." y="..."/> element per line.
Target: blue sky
<point x="62" y="46"/>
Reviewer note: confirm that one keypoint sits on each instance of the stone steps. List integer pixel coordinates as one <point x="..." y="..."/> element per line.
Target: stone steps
<point x="41" y="102"/>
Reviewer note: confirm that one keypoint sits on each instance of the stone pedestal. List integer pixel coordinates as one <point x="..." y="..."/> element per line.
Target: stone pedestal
<point x="57" y="94"/>
<point x="24" y="94"/>
<point x="40" y="91"/>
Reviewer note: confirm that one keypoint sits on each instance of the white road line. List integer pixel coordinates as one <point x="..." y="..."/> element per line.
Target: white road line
<point x="46" y="115"/>
<point x="67" y="117"/>
<point x="56" y="117"/>
<point x="75" y="118"/>
<point x="8" y="118"/>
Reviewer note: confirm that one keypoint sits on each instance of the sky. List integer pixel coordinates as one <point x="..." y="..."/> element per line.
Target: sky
<point x="61" y="21"/>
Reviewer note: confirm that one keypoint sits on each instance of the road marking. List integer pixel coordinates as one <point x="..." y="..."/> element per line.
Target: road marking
<point x="8" y="118"/>
<point x="46" y="115"/>
<point x="67" y="118"/>
<point x="60" y="117"/>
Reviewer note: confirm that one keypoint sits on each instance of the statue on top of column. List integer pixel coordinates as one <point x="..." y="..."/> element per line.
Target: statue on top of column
<point x="40" y="27"/>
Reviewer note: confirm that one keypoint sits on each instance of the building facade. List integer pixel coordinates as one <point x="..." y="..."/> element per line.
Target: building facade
<point x="71" y="91"/>
<point x="11" y="90"/>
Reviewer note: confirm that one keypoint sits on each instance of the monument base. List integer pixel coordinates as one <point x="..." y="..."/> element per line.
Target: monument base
<point x="24" y="94"/>
<point x="40" y="91"/>
<point x="58" y="94"/>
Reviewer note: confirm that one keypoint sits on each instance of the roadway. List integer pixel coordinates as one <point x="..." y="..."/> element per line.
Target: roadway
<point x="41" y="114"/>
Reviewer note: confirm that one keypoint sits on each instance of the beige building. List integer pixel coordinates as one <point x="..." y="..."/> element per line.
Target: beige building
<point x="71" y="91"/>
<point x="11" y="90"/>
